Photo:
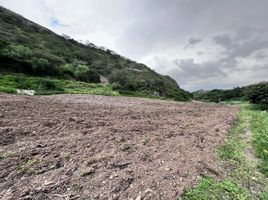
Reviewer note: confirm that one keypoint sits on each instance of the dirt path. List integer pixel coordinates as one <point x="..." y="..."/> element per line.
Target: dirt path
<point x="96" y="147"/>
<point x="249" y="151"/>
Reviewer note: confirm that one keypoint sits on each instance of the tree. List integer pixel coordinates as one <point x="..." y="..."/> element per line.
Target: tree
<point x="258" y="94"/>
<point x="39" y="65"/>
<point x="124" y="79"/>
<point x="83" y="73"/>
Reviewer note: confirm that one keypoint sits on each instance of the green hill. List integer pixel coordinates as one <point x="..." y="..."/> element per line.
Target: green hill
<point x="28" y="48"/>
<point x="255" y="93"/>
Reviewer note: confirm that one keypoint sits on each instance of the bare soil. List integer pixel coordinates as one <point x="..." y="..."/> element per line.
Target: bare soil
<point x="97" y="147"/>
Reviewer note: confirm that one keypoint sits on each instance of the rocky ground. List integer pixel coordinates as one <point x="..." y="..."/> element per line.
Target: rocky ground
<point x="97" y="147"/>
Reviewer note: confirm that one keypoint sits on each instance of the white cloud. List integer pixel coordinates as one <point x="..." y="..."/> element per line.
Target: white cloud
<point x="228" y="45"/>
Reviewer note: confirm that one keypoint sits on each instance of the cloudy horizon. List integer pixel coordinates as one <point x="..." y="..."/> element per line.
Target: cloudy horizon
<point x="201" y="44"/>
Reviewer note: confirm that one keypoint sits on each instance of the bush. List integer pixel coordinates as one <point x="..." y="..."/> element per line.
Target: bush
<point x="39" y="65"/>
<point x="17" y="52"/>
<point x="83" y="73"/>
<point x="123" y="80"/>
<point x="48" y="85"/>
<point x="258" y="94"/>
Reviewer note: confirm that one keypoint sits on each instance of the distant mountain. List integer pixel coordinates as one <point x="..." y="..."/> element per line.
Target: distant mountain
<point x="28" y="48"/>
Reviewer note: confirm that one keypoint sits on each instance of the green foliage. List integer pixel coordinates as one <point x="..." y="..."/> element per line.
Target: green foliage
<point x="10" y="83"/>
<point x="83" y="73"/>
<point x="40" y="65"/>
<point x="123" y="80"/>
<point x="264" y="194"/>
<point x="208" y="189"/>
<point x="259" y="127"/>
<point x="218" y="95"/>
<point x="232" y="150"/>
<point x="33" y="50"/>
<point x="258" y="94"/>
<point x="242" y="178"/>
<point x="17" y="51"/>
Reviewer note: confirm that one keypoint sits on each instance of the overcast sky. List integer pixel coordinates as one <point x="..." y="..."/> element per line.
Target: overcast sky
<point x="202" y="44"/>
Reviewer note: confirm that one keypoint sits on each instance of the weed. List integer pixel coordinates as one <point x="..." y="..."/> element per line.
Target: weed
<point x="3" y="156"/>
<point x="32" y="161"/>
<point x="208" y="188"/>
<point x="146" y="141"/>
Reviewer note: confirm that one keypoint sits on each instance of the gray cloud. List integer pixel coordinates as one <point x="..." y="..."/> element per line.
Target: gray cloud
<point x="230" y="35"/>
<point x="192" y="41"/>
<point x="200" y="53"/>
<point x="187" y="67"/>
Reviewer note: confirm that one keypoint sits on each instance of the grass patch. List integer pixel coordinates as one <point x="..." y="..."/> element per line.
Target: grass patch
<point x="259" y="128"/>
<point x="47" y="86"/>
<point x="208" y="189"/>
<point x="232" y="150"/>
<point x="243" y="179"/>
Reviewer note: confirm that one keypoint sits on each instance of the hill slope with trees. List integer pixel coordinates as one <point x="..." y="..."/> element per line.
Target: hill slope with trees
<point x="255" y="93"/>
<point x="28" y="48"/>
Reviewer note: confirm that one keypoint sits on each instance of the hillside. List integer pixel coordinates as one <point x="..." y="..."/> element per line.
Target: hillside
<point x="28" y="48"/>
<point x="255" y="93"/>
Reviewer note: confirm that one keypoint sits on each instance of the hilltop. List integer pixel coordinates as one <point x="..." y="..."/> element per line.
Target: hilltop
<point x="31" y="49"/>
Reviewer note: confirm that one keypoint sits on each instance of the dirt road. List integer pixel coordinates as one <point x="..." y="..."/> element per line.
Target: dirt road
<point x="97" y="147"/>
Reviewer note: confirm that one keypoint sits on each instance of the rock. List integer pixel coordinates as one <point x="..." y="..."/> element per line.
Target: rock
<point x="148" y="192"/>
<point x="120" y="165"/>
<point x="138" y="198"/>
<point x="88" y="171"/>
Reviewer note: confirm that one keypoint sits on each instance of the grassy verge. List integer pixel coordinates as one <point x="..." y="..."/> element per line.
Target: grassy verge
<point x="245" y="177"/>
<point x="259" y="127"/>
<point x="10" y="83"/>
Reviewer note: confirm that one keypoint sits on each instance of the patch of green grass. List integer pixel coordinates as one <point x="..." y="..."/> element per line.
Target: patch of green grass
<point x="232" y="150"/>
<point x="242" y="178"/>
<point x="264" y="195"/>
<point x="259" y="128"/>
<point x="46" y="86"/>
<point x="208" y="189"/>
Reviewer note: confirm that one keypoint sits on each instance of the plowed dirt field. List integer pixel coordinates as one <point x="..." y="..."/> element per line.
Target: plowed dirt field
<point x="97" y="147"/>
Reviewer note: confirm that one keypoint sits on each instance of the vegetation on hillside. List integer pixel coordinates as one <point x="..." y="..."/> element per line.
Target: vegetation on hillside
<point x="256" y="94"/>
<point x="26" y="47"/>
<point x="10" y="83"/>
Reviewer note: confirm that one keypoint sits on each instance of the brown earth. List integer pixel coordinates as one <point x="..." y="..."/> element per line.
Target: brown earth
<point x="97" y="147"/>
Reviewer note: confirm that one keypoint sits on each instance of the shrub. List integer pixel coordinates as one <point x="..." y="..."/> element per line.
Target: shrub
<point x="48" y="85"/>
<point x="258" y="94"/>
<point x="39" y="65"/>
<point x="123" y="80"/>
<point x="17" y="51"/>
<point x="83" y="73"/>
